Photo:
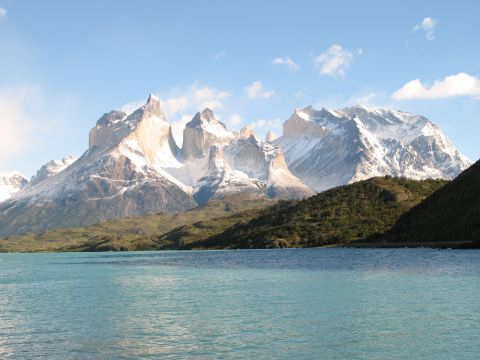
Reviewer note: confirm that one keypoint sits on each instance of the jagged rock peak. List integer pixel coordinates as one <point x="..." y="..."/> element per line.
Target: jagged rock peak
<point x="150" y="109"/>
<point x="271" y="136"/>
<point x="203" y="131"/>
<point x="153" y="99"/>
<point x="51" y="168"/>
<point x="247" y="131"/>
<point x="203" y="117"/>
<point x="111" y="117"/>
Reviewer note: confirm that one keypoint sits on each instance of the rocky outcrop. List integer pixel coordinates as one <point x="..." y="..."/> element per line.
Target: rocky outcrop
<point x="201" y="133"/>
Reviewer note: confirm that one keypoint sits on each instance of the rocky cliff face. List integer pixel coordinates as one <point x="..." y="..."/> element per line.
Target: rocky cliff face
<point x="203" y="131"/>
<point x="328" y="148"/>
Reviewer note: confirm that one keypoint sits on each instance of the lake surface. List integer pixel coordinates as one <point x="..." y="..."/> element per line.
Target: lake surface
<point x="258" y="304"/>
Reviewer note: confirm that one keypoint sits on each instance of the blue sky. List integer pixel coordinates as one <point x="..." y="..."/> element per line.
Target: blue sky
<point x="63" y="64"/>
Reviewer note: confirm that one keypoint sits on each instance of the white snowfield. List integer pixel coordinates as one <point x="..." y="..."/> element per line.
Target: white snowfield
<point x="133" y="165"/>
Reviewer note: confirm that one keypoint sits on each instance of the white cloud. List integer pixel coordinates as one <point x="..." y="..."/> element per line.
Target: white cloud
<point x="3" y="13"/>
<point x="286" y="61"/>
<point x="218" y="55"/>
<point x="298" y="93"/>
<point x="207" y="96"/>
<point x="17" y="128"/>
<point x="461" y="84"/>
<point x="427" y="25"/>
<point x="35" y="120"/>
<point x="255" y="91"/>
<point x="234" y="120"/>
<point x="264" y="124"/>
<point x="334" y="62"/>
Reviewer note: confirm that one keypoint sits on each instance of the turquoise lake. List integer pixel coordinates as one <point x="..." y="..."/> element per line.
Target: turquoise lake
<point x="252" y="304"/>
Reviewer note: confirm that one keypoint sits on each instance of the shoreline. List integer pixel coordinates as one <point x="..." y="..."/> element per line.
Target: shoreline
<point x="445" y="245"/>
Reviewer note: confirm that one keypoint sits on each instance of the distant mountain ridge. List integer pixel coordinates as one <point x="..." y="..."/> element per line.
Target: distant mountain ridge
<point x="133" y="165"/>
<point x="327" y="148"/>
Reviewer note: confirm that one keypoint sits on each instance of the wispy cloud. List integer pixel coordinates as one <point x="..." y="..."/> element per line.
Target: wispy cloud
<point x="219" y="55"/>
<point x="334" y="62"/>
<point x="234" y="120"/>
<point x="33" y="118"/>
<point x="256" y="91"/>
<point x="3" y="13"/>
<point x="264" y="124"/>
<point x="428" y="25"/>
<point x="461" y="84"/>
<point x="286" y="61"/>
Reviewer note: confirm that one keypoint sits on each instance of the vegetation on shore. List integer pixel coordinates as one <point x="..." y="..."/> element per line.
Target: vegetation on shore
<point x="340" y="216"/>
<point x="134" y="233"/>
<point x="451" y="214"/>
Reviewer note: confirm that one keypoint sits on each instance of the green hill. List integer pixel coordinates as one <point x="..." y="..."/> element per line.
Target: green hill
<point x="338" y="216"/>
<point x="347" y="215"/>
<point x="451" y="214"/>
<point x="135" y="233"/>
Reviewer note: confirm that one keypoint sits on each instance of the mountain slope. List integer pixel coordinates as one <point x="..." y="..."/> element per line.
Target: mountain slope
<point x="450" y="214"/>
<point x="137" y="233"/>
<point x="335" y="217"/>
<point x="328" y="148"/>
<point x="119" y="175"/>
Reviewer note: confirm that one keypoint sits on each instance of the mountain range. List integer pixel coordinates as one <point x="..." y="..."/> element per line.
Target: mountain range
<point x="133" y="166"/>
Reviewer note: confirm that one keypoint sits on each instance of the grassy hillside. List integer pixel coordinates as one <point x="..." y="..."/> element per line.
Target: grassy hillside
<point x="136" y="233"/>
<point x="451" y="214"/>
<point x="339" y="216"/>
<point x="336" y="217"/>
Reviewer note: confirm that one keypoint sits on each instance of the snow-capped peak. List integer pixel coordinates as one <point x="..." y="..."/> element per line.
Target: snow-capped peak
<point x="326" y="148"/>
<point x="207" y="121"/>
<point x="271" y="136"/>
<point x="11" y="183"/>
<point x="114" y="126"/>
<point x="150" y="109"/>
<point x="203" y="131"/>
<point x="51" y="168"/>
<point x="247" y="131"/>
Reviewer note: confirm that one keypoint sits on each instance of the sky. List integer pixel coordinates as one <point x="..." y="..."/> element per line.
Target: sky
<point x="65" y="63"/>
